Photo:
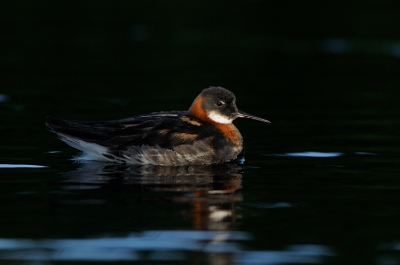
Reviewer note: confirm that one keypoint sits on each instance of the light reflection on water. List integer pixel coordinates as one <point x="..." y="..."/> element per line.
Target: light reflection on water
<point x="159" y="245"/>
<point x="321" y="154"/>
<point x="177" y="178"/>
<point x="20" y="166"/>
<point x="312" y="154"/>
<point x="213" y="211"/>
<point x="210" y="190"/>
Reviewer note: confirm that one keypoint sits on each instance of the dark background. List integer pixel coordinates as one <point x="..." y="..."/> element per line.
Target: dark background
<point x="290" y="52"/>
<point x="301" y="64"/>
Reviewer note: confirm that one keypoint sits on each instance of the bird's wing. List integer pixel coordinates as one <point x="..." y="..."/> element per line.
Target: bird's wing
<point x="163" y="129"/>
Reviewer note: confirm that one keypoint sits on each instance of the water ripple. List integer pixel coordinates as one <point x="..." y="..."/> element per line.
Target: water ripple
<point x="159" y="245"/>
<point x="311" y="154"/>
<point x="321" y="154"/>
<point x="20" y="166"/>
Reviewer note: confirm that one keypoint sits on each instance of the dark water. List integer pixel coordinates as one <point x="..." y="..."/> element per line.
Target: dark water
<point x="320" y="184"/>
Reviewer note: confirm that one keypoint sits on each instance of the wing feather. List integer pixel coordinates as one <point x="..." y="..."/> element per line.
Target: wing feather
<point x="163" y="129"/>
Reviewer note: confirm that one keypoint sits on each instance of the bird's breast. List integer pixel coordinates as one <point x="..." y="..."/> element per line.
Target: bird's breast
<point x="231" y="132"/>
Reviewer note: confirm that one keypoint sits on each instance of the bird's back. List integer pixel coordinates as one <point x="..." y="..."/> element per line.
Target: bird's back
<point x="162" y="138"/>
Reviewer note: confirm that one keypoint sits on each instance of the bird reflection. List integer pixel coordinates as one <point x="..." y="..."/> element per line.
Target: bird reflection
<point x="211" y="190"/>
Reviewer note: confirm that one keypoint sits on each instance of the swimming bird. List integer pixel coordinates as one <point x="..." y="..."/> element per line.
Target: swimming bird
<point x="202" y="135"/>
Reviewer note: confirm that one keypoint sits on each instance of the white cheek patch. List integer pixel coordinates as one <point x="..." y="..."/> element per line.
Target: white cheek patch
<point x="213" y="115"/>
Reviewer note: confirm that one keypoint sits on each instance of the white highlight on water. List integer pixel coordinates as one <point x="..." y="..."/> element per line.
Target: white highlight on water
<point x="20" y="166"/>
<point x="313" y="154"/>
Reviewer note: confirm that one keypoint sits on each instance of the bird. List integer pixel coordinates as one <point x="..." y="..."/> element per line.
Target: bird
<point x="202" y="135"/>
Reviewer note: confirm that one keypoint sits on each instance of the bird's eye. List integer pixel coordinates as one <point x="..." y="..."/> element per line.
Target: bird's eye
<point x="220" y="103"/>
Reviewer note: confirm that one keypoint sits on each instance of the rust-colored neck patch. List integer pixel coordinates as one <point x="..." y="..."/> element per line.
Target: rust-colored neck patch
<point x="197" y="109"/>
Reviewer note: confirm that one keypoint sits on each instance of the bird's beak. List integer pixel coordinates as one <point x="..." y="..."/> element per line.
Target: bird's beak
<point x="242" y="114"/>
